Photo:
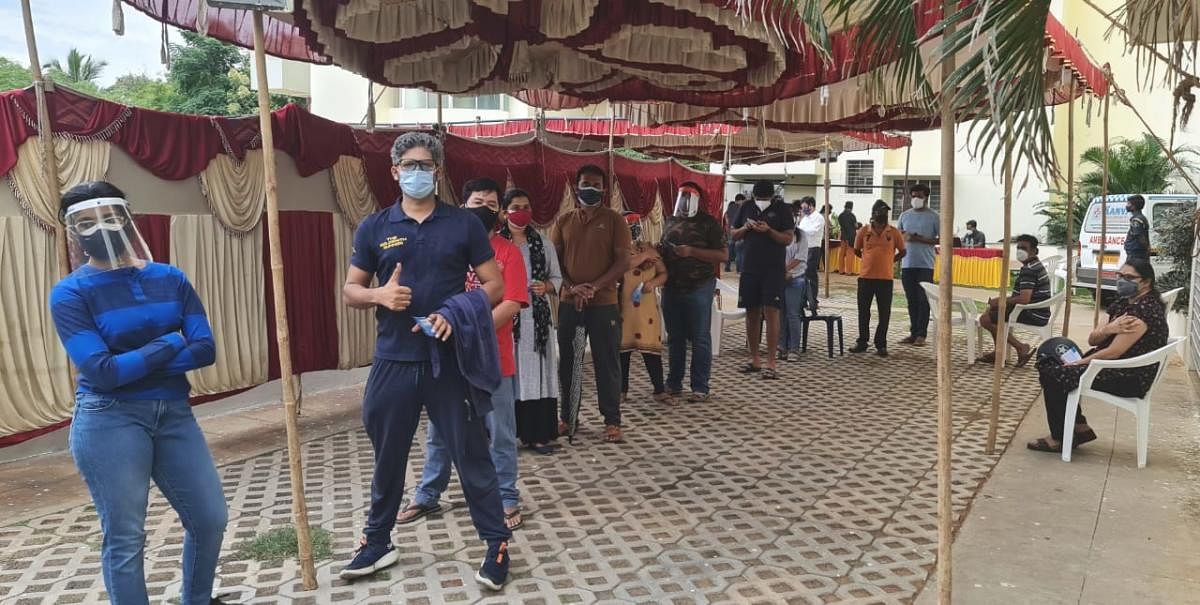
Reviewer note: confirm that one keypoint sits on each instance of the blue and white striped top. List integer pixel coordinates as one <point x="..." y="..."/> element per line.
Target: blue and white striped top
<point x="133" y="333"/>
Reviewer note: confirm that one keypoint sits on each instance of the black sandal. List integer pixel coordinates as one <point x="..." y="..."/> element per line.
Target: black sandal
<point x="1082" y="438"/>
<point x="749" y="368"/>
<point x="770" y="374"/>
<point x="1041" y="445"/>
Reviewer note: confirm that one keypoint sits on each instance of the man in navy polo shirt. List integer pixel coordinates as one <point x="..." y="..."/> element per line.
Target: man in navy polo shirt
<point x="420" y="250"/>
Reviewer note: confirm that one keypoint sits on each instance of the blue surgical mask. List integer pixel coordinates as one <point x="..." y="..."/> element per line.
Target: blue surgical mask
<point x="590" y="196"/>
<point x="416" y="184"/>
<point x="1126" y="288"/>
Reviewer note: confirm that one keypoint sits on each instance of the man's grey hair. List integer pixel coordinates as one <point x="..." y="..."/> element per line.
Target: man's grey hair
<point x="411" y="140"/>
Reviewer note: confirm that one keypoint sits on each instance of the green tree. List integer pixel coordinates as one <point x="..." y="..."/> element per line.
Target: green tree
<point x="13" y="75"/>
<point x="1177" y="231"/>
<point x="213" y="78"/>
<point x="1054" y="213"/>
<point x="79" y="68"/>
<point x="140" y="90"/>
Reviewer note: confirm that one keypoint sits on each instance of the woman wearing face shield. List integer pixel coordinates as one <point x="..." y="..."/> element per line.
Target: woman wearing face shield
<point x="1137" y="324"/>
<point x="133" y="328"/>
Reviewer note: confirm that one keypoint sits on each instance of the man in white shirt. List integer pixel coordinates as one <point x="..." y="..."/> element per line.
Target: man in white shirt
<point x="794" y="296"/>
<point x="813" y="226"/>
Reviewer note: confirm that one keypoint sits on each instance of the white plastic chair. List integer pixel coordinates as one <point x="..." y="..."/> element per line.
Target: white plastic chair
<point x="1168" y="298"/>
<point x="1046" y="332"/>
<point x="1140" y="407"/>
<point x="967" y="317"/>
<point x="1052" y="264"/>
<point x="720" y="316"/>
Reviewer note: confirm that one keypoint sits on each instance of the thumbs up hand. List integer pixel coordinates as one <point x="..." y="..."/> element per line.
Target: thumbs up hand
<point x="391" y="295"/>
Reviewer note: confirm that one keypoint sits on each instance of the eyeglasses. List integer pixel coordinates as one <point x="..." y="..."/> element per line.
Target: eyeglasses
<point x="422" y="165"/>
<point x="1129" y="276"/>
<point x="87" y="226"/>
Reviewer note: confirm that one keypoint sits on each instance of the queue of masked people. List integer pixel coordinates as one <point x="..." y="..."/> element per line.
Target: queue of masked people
<point x="481" y="322"/>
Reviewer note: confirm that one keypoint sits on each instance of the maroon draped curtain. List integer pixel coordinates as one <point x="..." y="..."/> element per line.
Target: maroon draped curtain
<point x="156" y="230"/>
<point x="309" y="285"/>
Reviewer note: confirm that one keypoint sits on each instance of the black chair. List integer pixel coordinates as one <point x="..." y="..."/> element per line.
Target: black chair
<point x="830" y="322"/>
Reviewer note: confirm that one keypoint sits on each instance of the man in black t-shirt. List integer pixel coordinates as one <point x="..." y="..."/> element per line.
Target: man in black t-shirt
<point x="1137" y="239"/>
<point x="1032" y="286"/>
<point x="693" y="247"/>
<point x="765" y="225"/>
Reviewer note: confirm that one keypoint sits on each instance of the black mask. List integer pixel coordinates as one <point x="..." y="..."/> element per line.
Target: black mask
<point x="98" y="246"/>
<point x="487" y="216"/>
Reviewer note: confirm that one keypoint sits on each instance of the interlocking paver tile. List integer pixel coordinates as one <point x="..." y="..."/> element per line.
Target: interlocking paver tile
<point x="817" y="488"/>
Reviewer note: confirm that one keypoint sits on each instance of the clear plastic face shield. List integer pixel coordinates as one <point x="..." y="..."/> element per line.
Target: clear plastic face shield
<point x="687" y="203"/>
<point x="102" y="233"/>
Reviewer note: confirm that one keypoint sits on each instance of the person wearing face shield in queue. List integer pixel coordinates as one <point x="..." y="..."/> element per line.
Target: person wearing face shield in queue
<point x="133" y="328"/>
<point x="419" y="250"/>
<point x="1137" y="324"/>
<point x="1032" y="285"/>
<point x="693" y="246"/>
<point x="766" y="226"/>
<point x="593" y="244"/>
<point x="482" y="198"/>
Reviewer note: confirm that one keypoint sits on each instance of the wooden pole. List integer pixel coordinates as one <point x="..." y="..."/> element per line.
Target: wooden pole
<point x="825" y="219"/>
<point x="612" y="118"/>
<point x="907" y="186"/>
<point x="1103" y="222"/>
<point x="53" y="191"/>
<point x="1071" y="235"/>
<point x="945" y="294"/>
<point x="308" y="570"/>
<point x="1002" y="304"/>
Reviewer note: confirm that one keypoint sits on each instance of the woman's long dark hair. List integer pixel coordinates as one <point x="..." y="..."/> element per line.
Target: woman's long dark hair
<point x="1146" y="270"/>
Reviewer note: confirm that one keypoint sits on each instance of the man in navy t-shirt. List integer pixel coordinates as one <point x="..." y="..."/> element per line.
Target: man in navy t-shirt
<point x="419" y="250"/>
<point x="766" y="226"/>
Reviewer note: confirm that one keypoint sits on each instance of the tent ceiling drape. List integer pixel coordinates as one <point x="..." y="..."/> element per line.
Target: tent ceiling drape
<point x="699" y="52"/>
<point x="703" y="142"/>
<point x="857" y="103"/>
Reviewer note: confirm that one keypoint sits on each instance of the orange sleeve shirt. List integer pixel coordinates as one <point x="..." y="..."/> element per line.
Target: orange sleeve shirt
<point x="878" y="251"/>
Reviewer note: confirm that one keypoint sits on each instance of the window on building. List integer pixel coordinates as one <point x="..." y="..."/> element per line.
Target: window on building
<point x="900" y="186"/>
<point x="482" y="102"/>
<point x="860" y="176"/>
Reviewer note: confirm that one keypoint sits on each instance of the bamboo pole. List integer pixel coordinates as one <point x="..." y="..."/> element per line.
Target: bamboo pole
<point x="1120" y="94"/>
<point x="1002" y="302"/>
<point x="945" y="294"/>
<point x="1134" y="39"/>
<point x="46" y="138"/>
<point x="1066" y="329"/>
<point x="907" y="161"/>
<point x="308" y="570"/>
<point x="825" y="218"/>
<point x="1103" y="222"/>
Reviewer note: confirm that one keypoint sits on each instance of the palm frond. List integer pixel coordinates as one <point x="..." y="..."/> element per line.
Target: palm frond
<point x="1146" y="23"/>
<point x="1001" y="77"/>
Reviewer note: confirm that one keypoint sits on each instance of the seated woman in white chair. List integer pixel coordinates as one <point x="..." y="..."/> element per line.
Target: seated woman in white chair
<point x="1137" y="324"/>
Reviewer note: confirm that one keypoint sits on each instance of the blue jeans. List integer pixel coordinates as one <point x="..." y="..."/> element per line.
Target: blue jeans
<point x="790" y="325"/>
<point x="502" y="427"/>
<point x="688" y="318"/>
<point x="119" y="446"/>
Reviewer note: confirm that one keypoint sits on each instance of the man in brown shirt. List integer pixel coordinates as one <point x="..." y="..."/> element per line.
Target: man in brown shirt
<point x="593" y="243"/>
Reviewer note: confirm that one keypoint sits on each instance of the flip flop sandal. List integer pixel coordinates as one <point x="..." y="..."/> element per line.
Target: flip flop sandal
<point x="1082" y="438"/>
<point x="749" y="368"/>
<point x="1041" y="445"/>
<point x="1024" y="359"/>
<point x="612" y="434"/>
<point x="415" y="512"/>
<point x="769" y="374"/>
<point x="988" y="358"/>
<point x="513" y="520"/>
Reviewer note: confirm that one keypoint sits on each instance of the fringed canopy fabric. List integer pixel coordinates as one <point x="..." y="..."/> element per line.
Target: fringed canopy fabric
<point x="860" y="102"/>
<point x="703" y="142"/>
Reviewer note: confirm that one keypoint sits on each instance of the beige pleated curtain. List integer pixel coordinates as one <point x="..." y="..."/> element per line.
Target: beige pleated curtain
<point x="356" y="327"/>
<point x="352" y="190"/>
<point x="78" y="161"/>
<point x="236" y="190"/>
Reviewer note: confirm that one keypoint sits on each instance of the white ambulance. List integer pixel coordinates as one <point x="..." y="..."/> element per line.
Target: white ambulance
<point x="1157" y="207"/>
